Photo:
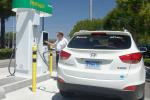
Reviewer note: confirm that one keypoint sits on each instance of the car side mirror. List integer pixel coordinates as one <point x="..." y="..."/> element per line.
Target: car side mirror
<point x="143" y="49"/>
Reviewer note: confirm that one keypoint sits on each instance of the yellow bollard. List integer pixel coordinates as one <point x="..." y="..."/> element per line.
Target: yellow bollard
<point x="51" y="62"/>
<point x="34" y="65"/>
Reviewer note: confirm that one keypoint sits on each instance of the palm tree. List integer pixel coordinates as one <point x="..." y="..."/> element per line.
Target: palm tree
<point x="5" y="12"/>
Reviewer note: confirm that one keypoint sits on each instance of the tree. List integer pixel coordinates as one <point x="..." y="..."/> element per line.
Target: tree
<point x="95" y="24"/>
<point x="134" y="15"/>
<point x="145" y="16"/>
<point x="9" y="39"/>
<point x="5" y="12"/>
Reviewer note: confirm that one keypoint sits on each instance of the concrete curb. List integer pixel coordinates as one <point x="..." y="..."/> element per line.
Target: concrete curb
<point x="4" y="60"/>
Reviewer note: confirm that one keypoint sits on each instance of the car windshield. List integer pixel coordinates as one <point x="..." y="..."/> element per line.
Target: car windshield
<point x="105" y="41"/>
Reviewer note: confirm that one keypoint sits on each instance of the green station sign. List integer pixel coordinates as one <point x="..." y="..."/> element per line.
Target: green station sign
<point x="39" y="5"/>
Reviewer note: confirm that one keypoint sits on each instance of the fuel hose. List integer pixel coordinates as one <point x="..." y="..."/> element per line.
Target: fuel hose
<point x="12" y="72"/>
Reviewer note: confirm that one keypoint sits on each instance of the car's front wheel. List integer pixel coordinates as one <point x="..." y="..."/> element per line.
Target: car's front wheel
<point x="66" y="94"/>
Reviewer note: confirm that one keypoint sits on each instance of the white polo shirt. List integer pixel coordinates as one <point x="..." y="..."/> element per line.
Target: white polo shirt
<point x="61" y="44"/>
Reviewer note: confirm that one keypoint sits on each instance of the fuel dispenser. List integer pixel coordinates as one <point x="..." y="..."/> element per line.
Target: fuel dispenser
<point x="45" y="47"/>
<point x="28" y="34"/>
<point x="47" y="54"/>
<point x="45" y="37"/>
<point x="42" y="52"/>
<point x="30" y="48"/>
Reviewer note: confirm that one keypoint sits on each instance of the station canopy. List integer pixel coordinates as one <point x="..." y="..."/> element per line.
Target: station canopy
<point x="39" y="5"/>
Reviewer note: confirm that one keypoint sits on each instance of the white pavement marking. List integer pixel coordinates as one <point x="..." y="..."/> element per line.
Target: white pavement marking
<point x="147" y="99"/>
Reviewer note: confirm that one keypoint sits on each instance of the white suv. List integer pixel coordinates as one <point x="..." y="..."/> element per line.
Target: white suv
<point x="102" y="62"/>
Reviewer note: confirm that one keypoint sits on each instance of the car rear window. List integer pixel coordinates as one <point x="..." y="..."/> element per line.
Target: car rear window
<point x="105" y="41"/>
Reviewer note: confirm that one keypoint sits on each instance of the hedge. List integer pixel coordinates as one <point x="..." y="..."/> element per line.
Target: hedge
<point x="147" y="61"/>
<point x="5" y="53"/>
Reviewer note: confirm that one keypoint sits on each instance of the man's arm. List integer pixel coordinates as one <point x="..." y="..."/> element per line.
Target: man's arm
<point x="64" y="44"/>
<point x="51" y="44"/>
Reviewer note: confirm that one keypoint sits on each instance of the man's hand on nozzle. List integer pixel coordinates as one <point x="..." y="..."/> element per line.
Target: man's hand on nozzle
<point x="46" y="42"/>
<point x="51" y="44"/>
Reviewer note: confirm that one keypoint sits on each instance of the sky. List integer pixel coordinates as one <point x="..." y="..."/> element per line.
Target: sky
<point x="67" y="12"/>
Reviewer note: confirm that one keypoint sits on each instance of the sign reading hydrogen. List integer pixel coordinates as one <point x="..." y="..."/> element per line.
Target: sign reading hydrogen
<point x="40" y="5"/>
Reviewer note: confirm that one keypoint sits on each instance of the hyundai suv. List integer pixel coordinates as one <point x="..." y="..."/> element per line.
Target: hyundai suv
<point x="106" y="63"/>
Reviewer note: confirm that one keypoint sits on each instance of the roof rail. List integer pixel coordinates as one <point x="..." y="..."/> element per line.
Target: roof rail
<point x="83" y="30"/>
<point x="125" y="30"/>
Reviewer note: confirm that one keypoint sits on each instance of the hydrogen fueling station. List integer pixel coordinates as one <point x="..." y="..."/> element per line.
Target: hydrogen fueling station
<point x="29" y="38"/>
<point x="100" y="64"/>
<point x="31" y="57"/>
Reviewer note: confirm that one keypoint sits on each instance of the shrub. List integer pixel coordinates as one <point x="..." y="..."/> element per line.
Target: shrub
<point x="147" y="62"/>
<point x="5" y="53"/>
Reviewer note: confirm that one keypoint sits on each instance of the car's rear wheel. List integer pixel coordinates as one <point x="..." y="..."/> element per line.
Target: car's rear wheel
<point x="142" y="98"/>
<point x="66" y="94"/>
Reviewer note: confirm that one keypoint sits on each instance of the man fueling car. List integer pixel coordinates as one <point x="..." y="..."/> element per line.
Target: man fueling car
<point x="60" y="44"/>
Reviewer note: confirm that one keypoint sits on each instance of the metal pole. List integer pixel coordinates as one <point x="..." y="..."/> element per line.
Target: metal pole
<point x="34" y="67"/>
<point x="91" y="10"/>
<point x="13" y="41"/>
<point x="51" y="61"/>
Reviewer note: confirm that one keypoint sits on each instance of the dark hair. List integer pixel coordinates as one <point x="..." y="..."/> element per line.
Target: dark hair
<point x="60" y="33"/>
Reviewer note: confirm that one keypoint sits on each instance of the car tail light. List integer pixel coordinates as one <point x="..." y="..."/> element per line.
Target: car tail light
<point x="130" y="88"/>
<point x="131" y="58"/>
<point x="64" y="55"/>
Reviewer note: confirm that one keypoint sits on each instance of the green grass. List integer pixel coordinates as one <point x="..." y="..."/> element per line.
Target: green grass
<point x="147" y="61"/>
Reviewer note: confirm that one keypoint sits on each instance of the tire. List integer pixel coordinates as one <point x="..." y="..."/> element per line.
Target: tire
<point x="142" y="97"/>
<point x="66" y="94"/>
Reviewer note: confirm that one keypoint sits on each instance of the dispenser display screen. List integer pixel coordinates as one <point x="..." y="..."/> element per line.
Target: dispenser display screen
<point x="45" y="37"/>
